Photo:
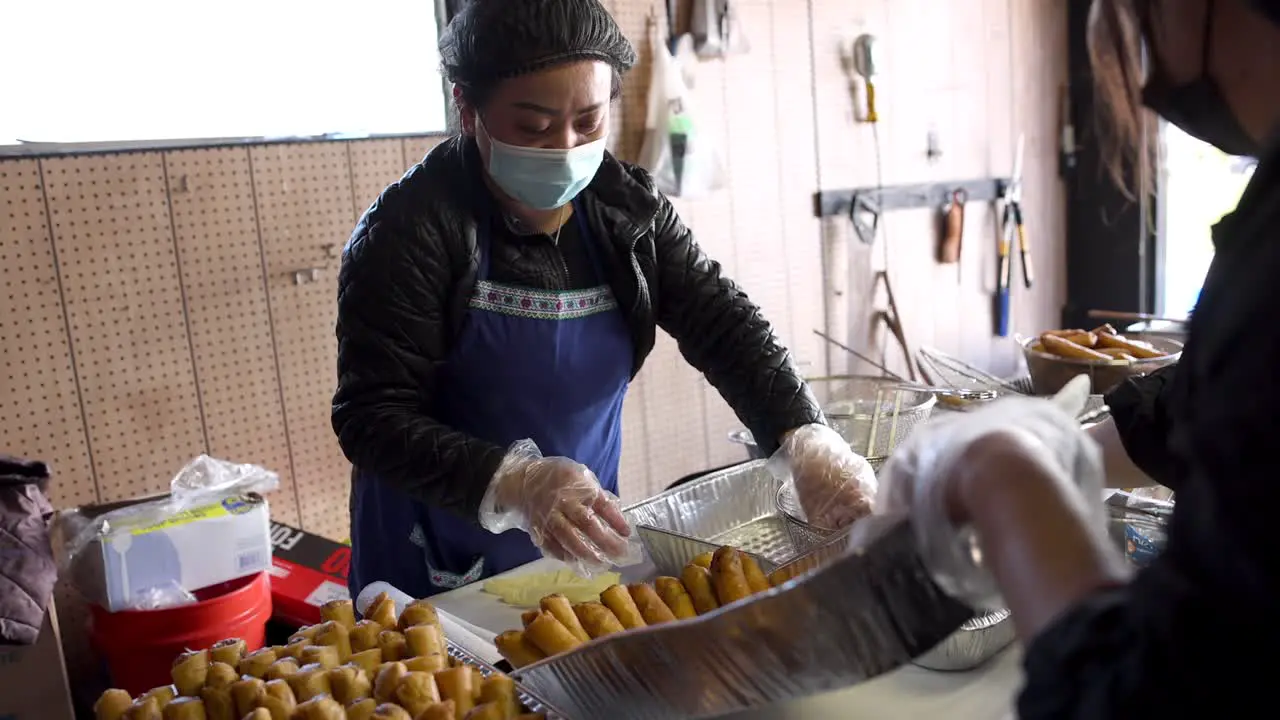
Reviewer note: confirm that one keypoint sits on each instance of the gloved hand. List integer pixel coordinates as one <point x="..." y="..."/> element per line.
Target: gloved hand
<point x="834" y="484"/>
<point x="918" y="477"/>
<point x="561" y="505"/>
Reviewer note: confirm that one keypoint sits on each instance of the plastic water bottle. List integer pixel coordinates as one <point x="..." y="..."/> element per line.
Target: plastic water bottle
<point x="373" y="589"/>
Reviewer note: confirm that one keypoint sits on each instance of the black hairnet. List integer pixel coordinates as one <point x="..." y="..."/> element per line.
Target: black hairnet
<point x="491" y="40"/>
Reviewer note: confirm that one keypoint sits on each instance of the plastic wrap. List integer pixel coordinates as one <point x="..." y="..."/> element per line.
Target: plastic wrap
<point x="863" y="614"/>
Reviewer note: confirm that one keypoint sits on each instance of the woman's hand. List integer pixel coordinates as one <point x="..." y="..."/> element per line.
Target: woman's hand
<point x="561" y="505"/>
<point x="834" y="484"/>
<point x="944" y="475"/>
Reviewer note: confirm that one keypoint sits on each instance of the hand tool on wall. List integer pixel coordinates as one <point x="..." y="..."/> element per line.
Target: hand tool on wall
<point x="866" y="59"/>
<point x="893" y="320"/>
<point x="952" y="227"/>
<point x="1011" y="230"/>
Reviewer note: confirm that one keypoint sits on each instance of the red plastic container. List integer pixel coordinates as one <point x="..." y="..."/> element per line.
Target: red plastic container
<point x="139" y="646"/>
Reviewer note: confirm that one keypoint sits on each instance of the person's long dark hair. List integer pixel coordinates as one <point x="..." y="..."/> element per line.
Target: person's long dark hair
<point x="1126" y="130"/>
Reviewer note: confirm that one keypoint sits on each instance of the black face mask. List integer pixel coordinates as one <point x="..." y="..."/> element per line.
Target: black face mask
<point x="1198" y="107"/>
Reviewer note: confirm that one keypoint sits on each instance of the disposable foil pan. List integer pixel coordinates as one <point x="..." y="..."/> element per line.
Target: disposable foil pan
<point x="531" y="701"/>
<point x="861" y="615"/>
<point x="976" y="642"/>
<point x="734" y="507"/>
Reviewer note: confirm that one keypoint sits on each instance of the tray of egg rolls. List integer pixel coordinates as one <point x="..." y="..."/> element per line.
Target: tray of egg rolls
<point x="726" y="635"/>
<point x="387" y="666"/>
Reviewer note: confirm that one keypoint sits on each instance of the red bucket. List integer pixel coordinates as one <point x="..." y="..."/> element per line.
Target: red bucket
<point x="139" y="646"/>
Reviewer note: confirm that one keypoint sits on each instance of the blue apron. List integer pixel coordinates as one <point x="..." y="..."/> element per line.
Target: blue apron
<point x="547" y="365"/>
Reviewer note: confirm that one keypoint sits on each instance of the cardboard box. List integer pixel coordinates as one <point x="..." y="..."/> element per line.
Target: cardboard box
<point x="306" y="572"/>
<point x="194" y="549"/>
<point x="33" y="678"/>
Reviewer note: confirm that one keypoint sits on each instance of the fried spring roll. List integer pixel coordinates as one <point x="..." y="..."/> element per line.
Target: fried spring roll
<point x="527" y="617"/>
<point x="550" y="635"/>
<point x="618" y="599"/>
<point x="294" y="648"/>
<point x="348" y="684"/>
<point x="163" y="695"/>
<point x="326" y="656"/>
<point x="727" y="577"/>
<point x="112" y="705"/>
<point x="444" y="710"/>
<point x="278" y="698"/>
<point x="190" y="671"/>
<point x="500" y="690"/>
<point x="335" y="634"/>
<point x="559" y="606"/>
<point x="144" y="709"/>
<point x="367" y="660"/>
<point x="255" y="664"/>
<point x="477" y="679"/>
<point x="342" y="612"/>
<point x="383" y="611"/>
<point x="1138" y="350"/>
<point x="704" y="559"/>
<point x="257" y="714"/>
<point x="418" y="612"/>
<point x="697" y="580"/>
<point x="320" y="708"/>
<point x="424" y="640"/>
<point x="433" y="663"/>
<point x="517" y="649"/>
<point x="185" y="708"/>
<point x="361" y="710"/>
<point x="1063" y="347"/>
<point x="597" y="619"/>
<point x="673" y="593"/>
<point x="281" y="669"/>
<point x="455" y="686"/>
<point x="387" y="678"/>
<point x="310" y="681"/>
<point x="221" y="675"/>
<point x="306" y="632"/>
<point x="391" y="711"/>
<point x="364" y="636"/>
<point x="416" y="692"/>
<point x="227" y="651"/>
<point x="393" y="646"/>
<point x="652" y="609"/>
<point x="756" y="579"/>
<point x="245" y="694"/>
<point x="218" y="704"/>
<point x="486" y="711"/>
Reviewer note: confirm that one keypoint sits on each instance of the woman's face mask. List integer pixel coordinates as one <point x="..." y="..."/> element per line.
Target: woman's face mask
<point x="543" y="178"/>
<point x="1198" y="107"/>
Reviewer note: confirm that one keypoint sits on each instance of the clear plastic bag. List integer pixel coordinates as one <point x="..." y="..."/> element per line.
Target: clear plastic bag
<point x="680" y="150"/>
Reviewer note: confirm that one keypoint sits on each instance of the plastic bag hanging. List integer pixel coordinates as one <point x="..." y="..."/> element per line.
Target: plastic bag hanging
<point x="680" y="149"/>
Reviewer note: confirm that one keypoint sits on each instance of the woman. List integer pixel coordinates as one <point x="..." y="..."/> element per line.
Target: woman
<point x="495" y="303"/>
<point x="1193" y="634"/>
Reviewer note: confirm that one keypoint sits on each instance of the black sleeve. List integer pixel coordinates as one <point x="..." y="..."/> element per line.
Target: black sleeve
<point x="1139" y="407"/>
<point x="393" y="293"/>
<point x="726" y="337"/>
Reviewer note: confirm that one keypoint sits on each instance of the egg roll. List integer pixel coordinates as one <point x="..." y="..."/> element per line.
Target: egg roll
<point x="433" y="663"/>
<point x="652" y="609"/>
<point x="364" y="636"/>
<point x="144" y="709"/>
<point x="382" y="611"/>
<point x="477" y="678"/>
<point x="112" y="705"/>
<point x="486" y="711"/>
<point x="418" y="612"/>
<point x="756" y="579"/>
<point x="322" y="707"/>
<point x="704" y="559"/>
<point x="348" y="684"/>
<point x="335" y="634"/>
<point x="227" y="651"/>
<point x="727" y="577"/>
<point x="392" y="645"/>
<point x="326" y="656"/>
<point x="255" y="664"/>
<point x="185" y="708"/>
<point x="672" y="592"/>
<point x="163" y="695"/>
<point x="391" y="711"/>
<point x="559" y="606"/>
<point x="367" y="660"/>
<point x="387" y="678"/>
<point x="444" y="710"/>
<point x="550" y="635"/>
<point x="618" y="599"/>
<point x="310" y="681"/>
<point x="278" y="698"/>
<point x="306" y="632"/>
<point x="597" y="619"/>
<point x="245" y="694"/>
<point x="362" y="709"/>
<point x="517" y="649"/>
<point x="455" y="685"/>
<point x="294" y="648"/>
<point x="500" y="690"/>
<point x="190" y="671"/>
<point x="425" y="640"/>
<point x="221" y="675"/>
<point x="342" y="612"/>
<point x="527" y="617"/>
<point x="257" y="714"/>
<point x="416" y="692"/>
<point x="281" y="669"/>
<point x="697" y="580"/>
<point x="218" y="704"/>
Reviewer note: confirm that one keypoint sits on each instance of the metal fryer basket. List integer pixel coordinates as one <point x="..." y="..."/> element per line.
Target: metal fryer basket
<point x="873" y="414"/>
<point x="805" y="536"/>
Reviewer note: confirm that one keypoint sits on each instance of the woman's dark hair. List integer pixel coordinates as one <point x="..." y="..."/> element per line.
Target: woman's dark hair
<point x="489" y="41"/>
<point x="1126" y="129"/>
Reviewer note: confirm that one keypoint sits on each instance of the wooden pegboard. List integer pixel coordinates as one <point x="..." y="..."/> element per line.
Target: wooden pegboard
<point x="304" y="200"/>
<point x="40" y="415"/>
<point x="375" y="164"/>
<point x="124" y="303"/>
<point x="229" y="319"/>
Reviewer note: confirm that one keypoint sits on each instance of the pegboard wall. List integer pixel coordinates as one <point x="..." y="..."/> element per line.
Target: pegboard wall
<point x="151" y="308"/>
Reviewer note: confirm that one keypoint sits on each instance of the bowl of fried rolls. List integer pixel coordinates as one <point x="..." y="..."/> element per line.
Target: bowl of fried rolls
<point x="1107" y="357"/>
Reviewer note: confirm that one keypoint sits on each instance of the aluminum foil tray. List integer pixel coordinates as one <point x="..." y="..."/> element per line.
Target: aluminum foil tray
<point x="533" y="703"/>
<point x="863" y="614"/>
<point x="735" y="507"/>
<point x="976" y="642"/>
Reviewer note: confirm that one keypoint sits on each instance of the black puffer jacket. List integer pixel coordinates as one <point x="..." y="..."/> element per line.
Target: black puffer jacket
<point x="410" y="268"/>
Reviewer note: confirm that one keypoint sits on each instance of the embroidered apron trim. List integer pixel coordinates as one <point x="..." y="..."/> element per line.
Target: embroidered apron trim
<point x="542" y="304"/>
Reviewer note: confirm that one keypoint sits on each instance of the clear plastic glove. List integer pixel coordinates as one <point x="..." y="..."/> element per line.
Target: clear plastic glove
<point x="915" y="480"/>
<point x="834" y="484"/>
<point x="561" y="505"/>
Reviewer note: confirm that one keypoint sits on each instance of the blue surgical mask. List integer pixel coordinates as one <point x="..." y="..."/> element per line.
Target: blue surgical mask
<point x="543" y="178"/>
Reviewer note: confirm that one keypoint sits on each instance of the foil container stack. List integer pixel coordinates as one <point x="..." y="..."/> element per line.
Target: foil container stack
<point x="529" y="700"/>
